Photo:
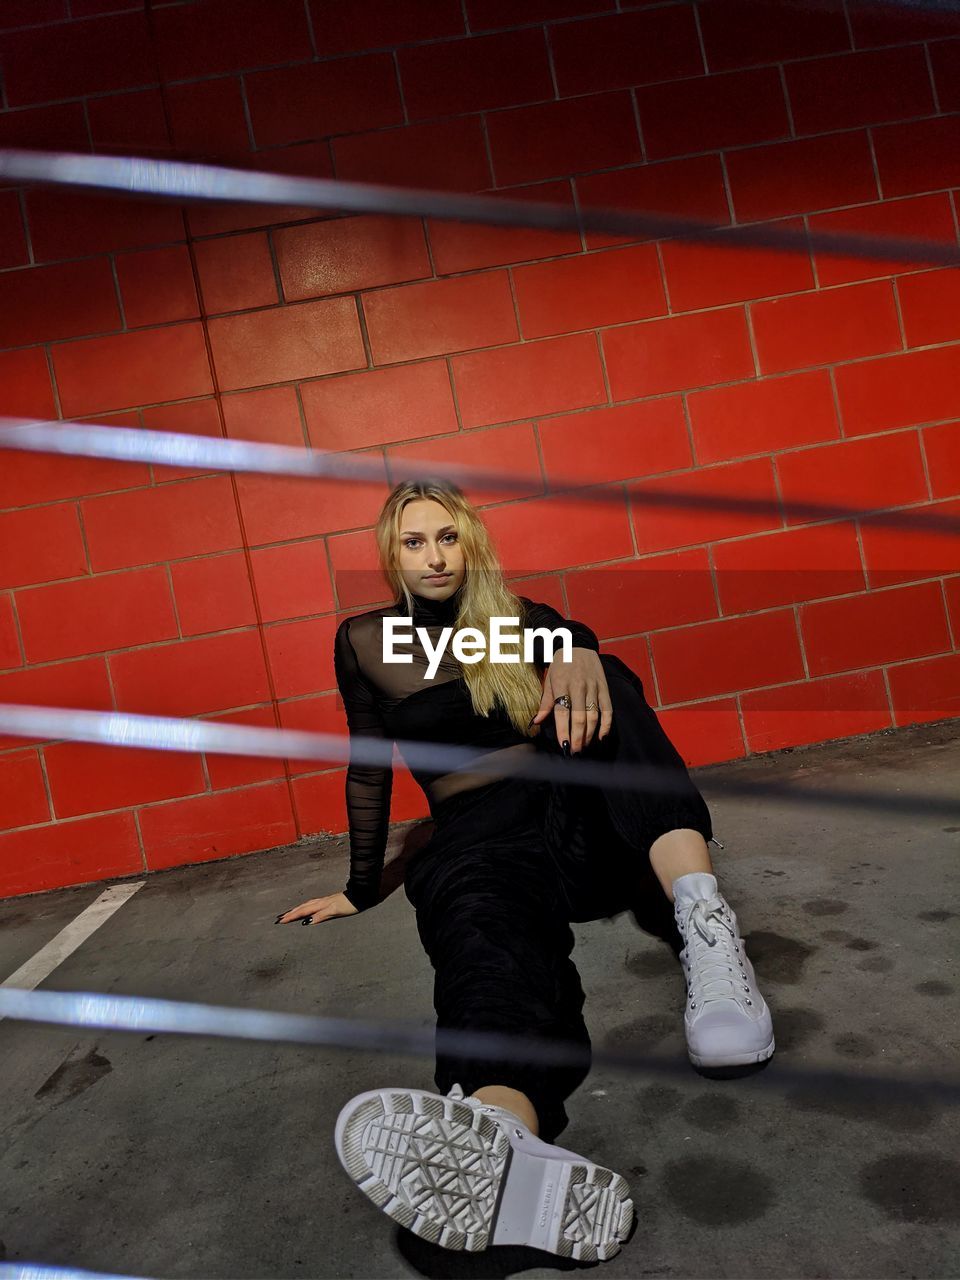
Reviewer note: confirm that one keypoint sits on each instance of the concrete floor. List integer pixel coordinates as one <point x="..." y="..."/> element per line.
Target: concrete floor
<point x="173" y="1157"/>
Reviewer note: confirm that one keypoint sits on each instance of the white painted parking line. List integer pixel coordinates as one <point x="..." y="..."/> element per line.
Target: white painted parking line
<point x="38" y="967"/>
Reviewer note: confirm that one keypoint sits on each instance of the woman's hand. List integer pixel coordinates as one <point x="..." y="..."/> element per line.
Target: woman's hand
<point x="582" y="680"/>
<point x="319" y="909"/>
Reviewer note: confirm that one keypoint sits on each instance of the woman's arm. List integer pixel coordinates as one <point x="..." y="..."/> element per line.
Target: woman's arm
<point x="368" y="787"/>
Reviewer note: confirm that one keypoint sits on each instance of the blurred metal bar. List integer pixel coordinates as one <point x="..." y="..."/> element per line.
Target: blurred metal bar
<point x="147" y="1014"/>
<point x="212" y="453"/>
<point x="162" y="733"/>
<point x="183" y="180"/>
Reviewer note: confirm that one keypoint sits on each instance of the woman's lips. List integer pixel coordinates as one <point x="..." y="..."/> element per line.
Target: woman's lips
<point x="437" y="577"/>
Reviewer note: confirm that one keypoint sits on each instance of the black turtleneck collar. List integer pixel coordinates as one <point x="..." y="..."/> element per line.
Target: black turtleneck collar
<point x="433" y="612"/>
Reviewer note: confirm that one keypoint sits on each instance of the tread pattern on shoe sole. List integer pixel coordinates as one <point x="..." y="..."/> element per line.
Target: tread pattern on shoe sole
<point x="597" y="1215"/>
<point x="437" y="1166"/>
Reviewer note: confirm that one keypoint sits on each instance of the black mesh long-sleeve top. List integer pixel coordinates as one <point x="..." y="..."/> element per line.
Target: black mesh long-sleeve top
<point x="397" y="701"/>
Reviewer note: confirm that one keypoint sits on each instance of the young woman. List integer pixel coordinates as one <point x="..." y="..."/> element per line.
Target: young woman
<point x="510" y="864"/>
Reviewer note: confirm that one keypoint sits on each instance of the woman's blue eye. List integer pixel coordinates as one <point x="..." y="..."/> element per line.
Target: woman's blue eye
<point x="413" y="542"/>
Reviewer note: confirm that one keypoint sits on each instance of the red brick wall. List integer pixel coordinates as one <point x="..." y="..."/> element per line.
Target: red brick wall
<point x="639" y="366"/>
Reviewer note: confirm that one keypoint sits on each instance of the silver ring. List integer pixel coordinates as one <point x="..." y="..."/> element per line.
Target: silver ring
<point x="563" y="701"/>
<point x="592" y="706"/>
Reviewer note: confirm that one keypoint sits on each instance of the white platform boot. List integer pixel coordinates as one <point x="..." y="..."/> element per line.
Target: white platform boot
<point x="727" y="1022"/>
<point x="466" y="1175"/>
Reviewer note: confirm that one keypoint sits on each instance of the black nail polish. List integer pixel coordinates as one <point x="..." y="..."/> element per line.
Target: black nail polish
<point x="565" y="748"/>
<point x="279" y="917"/>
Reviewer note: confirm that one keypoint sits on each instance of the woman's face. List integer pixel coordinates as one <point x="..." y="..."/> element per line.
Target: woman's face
<point x="430" y="546"/>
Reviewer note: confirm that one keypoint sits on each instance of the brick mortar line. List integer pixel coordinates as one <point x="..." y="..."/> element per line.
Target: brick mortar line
<point x="800" y="641"/>
<point x="602" y="357"/>
<point x="21" y="199"/>
<point x="848" y="22"/>
<point x="47" y="348"/>
<point x="891" y="709"/>
<point x="305" y="433"/>
<point x="715" y="582"/>
<point x="700" y="40"/>
<point x="946" y="610"/>
<point x="247" y="114"/>
<point x="742" y="726"/>
<point x="111" y="683"/>
<point x="924" y="461"/>
<point x="364" y="336"/>
<point x="933" y="79"/>
<point x="275" y="267"/>
<point x="399" y="79"/>
<point x="541" y="462"/>
<point x="515" y="302"/>
<point x="837" y="410"/>
<point x="872" y="147"/>
<point x="551" y="61"/>
<point x="77" y="504"/>
<point x="638" y="125"/>
<point x="898" y="308"/>
<point x="118" y="298"/>
<point x="331" y="572"/>
<point x="17" y="630"/>
<point x="173" y="600"/>
<point x="144" y="866"/>
<point x="311" y="34"/>
<point x="456" y="403"/>
<point x="791" y="126"/>
<point x="487" y="149"/>
<point x="951" y="195"/>
<point x="752" y="340"/>
<point x="628" y="498"/>
<point x="45" y="778"/>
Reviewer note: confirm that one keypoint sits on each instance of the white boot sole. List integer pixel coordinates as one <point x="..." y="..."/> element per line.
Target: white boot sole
<point x="733" y="1060"/>
<point x="452" y="1175"/>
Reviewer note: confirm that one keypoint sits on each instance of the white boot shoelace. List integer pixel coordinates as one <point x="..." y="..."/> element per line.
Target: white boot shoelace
<point x="715" y="965"/>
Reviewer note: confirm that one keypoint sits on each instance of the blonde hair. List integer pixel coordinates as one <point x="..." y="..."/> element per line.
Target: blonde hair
<point x="484" y="594"/>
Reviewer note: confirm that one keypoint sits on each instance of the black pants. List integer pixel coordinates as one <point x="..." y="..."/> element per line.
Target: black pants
<point x="508" y="868"/>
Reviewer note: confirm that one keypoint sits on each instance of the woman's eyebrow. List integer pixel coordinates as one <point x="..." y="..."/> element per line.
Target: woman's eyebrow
<point x="415" y="533"/>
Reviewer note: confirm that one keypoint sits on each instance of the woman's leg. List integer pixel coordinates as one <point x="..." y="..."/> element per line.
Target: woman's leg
<point x="670" y="886"/>
<point x="494" y="926"/>
<point x="677" y="853"/>
<point x="616" y="849"/>
<point x="470" y="1171"/>
<point x="512" y="1100"/>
